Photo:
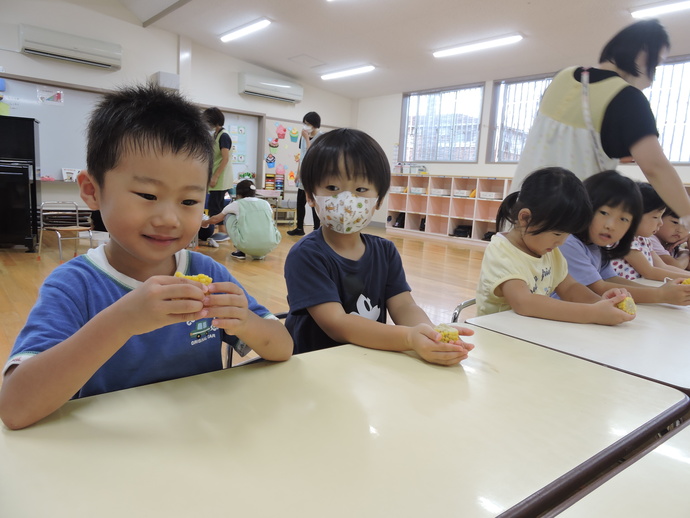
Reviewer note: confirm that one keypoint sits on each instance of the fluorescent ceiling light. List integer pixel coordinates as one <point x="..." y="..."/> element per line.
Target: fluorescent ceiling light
<point x="350" y="72"/>
<point x="246" y="29"/>
<point x="651" y="12"/>
<point x="471" y="47"/>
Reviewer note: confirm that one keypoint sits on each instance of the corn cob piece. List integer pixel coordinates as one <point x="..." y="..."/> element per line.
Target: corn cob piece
<point x="627" y="305"/>
<point x="448" y="333"/>
<point x="200" y="277"/>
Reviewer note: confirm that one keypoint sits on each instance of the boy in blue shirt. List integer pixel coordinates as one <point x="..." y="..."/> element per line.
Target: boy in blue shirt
<point x="117" y="317"/>
<point x="341" y="283"/>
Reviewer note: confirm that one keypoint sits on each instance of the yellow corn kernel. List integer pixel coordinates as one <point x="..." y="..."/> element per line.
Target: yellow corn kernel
<point x="448" y="333"/>
<point x="686" y="281"/>
<point x="627" y="305"/>
<point x="200" y="277"/>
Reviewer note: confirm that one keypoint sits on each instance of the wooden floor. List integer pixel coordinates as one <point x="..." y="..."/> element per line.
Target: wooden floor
<point x="441" y="275"/>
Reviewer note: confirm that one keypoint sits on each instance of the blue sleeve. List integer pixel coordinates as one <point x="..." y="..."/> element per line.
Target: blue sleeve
<point x="397" y="283"/>
<point x="580" y="261"/>
<point x="225" y="142"/>
<point x="310" y="278"/>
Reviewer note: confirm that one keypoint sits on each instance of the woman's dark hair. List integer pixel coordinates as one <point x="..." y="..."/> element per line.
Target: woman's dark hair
<point x="345" y="152"/>
<point x="623" y="48"/>
<point x="214" y="117"/>
<point x="612" y="189"/>
<point x="651" y="201"/>
<point x="312" y="118"/>
<point x="144" y="119"/>
<point x="246" y="189"/>
<point x="556" y="199"/>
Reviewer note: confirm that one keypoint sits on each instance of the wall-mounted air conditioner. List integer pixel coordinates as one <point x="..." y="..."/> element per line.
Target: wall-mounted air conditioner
<point x="67" y="47"/>
<point x="270" y="87"/>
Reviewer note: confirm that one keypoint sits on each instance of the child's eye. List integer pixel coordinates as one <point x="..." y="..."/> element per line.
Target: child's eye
<point x="146" y="196"/>
<point x="332" y="188"/>
<point x="625" y="220"/>
<point x="362" y="189"/>
<point x="603" y="213"/>
<point x="190" y="202"/>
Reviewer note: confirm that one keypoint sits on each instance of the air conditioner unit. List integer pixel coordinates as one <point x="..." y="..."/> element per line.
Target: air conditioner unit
<point x="67" y="47"/>
<point x="272" y="88"/>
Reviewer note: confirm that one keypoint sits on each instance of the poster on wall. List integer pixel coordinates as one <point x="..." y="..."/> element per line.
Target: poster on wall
<point x="281" y="154"/>
<point x="238" y="153"/>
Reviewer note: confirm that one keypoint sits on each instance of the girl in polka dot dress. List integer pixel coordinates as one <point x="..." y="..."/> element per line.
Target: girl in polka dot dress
<point x="642" y="261"/>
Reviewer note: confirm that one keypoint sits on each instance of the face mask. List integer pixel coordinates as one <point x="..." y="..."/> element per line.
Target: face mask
<point x="345" y="213"/>
<point x="308" y="127"/>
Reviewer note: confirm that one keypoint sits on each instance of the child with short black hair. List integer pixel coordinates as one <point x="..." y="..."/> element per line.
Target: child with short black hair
<point x="117" y="317"/>
<point x="642" y="261"/>
<point x="523" y="267"/>
<point x="250" y="224"/>
<point x="341" y="282"/>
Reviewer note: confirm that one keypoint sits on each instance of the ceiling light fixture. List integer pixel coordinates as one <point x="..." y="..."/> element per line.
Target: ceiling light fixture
<point x="346" y="73"/>
<point x="245" y="29"/>
<point x="471" y="47"/>
<point x="651" y="12"/>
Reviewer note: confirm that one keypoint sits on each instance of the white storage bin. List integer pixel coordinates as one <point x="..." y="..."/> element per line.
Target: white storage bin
<point x="417" y="190"/>
<point x="440" y="192"/>
<point x="462" y="193"/>
<point x="488" y="195"/>
<point x="396" y="189"/>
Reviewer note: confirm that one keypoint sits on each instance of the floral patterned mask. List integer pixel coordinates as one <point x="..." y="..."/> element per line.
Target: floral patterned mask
<point x="345" y="213"/>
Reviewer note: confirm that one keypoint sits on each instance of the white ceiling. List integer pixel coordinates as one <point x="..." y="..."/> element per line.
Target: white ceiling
<point x="311" y="37"/>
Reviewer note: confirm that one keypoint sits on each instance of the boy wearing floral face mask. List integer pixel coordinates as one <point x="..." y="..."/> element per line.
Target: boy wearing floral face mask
<point x="341" y="283"/>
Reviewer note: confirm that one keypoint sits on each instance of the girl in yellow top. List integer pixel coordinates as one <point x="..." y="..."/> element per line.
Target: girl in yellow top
<point x="523" y="266"/>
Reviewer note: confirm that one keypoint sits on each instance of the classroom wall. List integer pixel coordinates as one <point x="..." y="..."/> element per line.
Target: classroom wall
<point x="206" y="76"/>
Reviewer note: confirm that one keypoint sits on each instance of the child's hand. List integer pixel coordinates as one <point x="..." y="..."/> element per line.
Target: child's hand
<point x="675" y="292"/>
<point x="615" y="292"/>
<point x="228" y="306"/>
<point x="424" y="340"/>
<point x="160" y="301"/>
<point x="607" y="313"/>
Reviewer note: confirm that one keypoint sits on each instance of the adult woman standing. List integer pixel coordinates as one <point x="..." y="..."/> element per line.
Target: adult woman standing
<point x="590" y="118"/>
<point x="221" y="178"/>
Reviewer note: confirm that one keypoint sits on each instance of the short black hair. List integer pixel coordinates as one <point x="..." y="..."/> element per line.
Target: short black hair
<point x="312" y="118"/>
<point x="612" y="189"/>
<point x="556" y="199"/>
<point x="144" y="118"/>
<point x="246" y="189"/>
<point x="623" y="48"/>
<point x="214" y="116"/>
<point x="651" y="201"/>
<point x="345" y="152"/>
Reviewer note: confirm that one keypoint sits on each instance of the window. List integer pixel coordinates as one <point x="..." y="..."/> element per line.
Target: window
<point x="516" y="105"/>
<point x="668" y="97"/>
<point x="442" y="126"/>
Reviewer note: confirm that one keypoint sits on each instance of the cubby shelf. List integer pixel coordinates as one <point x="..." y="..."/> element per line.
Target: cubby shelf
<point x="434" y="206"/>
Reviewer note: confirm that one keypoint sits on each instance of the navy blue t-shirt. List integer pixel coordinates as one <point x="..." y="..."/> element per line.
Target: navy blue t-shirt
<point x="315" y="274"/>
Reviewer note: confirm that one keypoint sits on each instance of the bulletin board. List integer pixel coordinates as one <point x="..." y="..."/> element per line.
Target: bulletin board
<point x="281" y="150"/>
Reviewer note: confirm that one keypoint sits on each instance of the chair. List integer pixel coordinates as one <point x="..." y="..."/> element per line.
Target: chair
<point x="460" y="307"/>
<point x="285" y="212"/>
<point x="63" y="216"/>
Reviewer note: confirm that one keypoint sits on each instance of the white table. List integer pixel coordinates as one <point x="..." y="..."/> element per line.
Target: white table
<point x="337" y="433"/>
<point x="656" y="485"/>
<point x="656" y="345"/>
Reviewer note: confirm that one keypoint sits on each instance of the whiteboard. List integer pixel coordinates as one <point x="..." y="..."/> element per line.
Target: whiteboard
<point x="64" y="113"/>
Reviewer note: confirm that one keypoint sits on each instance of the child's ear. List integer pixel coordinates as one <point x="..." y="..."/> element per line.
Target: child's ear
<point x="88" y="190"/>
<point x="524" y="217"/>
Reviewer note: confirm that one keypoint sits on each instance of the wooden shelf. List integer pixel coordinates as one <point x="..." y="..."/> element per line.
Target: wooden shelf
<point x="438" y="204"/>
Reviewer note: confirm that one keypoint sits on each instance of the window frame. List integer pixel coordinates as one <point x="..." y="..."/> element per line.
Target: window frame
<point x="675" y="60"/>
<point x="404" y="118"/>
<point x="493" y="126"/>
